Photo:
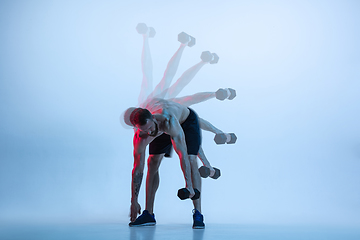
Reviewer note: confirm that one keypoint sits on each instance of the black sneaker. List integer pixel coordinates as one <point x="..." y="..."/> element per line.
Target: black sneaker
<point x="198" y="220"/>
<point x="145" y="219"/>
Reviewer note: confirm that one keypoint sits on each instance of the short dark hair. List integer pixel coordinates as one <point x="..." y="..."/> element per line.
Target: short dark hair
<point x="139" y="116"/>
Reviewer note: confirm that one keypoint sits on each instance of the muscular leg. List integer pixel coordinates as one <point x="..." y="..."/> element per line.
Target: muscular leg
<point x="196" y="180"/>
<point x="152" y="180"/>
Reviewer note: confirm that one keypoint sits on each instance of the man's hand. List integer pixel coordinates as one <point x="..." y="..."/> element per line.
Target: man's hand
<point x="135" y="209"/>
<point x="192" y="192"/>
<point x="212" y="171"/>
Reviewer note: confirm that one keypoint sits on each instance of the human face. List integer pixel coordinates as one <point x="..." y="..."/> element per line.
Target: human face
<point x="150" y="128"/>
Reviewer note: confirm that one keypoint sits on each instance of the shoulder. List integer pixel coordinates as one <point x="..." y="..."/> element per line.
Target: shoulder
<point x="172" y="125"/>
<point x="139" y="134"/>
<point x="141" y="140"/>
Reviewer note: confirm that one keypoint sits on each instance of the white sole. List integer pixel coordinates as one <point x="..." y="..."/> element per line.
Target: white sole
<point x="143" y="225"/>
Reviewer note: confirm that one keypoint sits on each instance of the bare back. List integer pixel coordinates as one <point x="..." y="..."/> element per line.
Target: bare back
<point x="169" y="116"/>
<point x="158" y="106"/>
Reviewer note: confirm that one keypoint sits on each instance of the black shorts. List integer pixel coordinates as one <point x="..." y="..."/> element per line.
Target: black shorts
<point x="191" y="128"/>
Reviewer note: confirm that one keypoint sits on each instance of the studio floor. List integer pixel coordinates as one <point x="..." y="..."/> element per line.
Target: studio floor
<point x="175" y="231"/>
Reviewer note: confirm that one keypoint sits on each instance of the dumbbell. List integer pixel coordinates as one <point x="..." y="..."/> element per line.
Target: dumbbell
<point x="186" y="39"/>
<point x="225" y="93"/>
<point x="183" y="194"/>
<point x="207" y="56"/>
<point x="222" y="138"/>
<point x="141" y="28"/>
<point x="205" y="172"/>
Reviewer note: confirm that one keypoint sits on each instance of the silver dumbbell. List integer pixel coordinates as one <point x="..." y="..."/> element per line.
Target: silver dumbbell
<point x="141" y="28"/>
<point x="222" y="138"/>
<point x="186" y="39"/>
<point x="225" y="93"/>
<point x="207" y="56"/>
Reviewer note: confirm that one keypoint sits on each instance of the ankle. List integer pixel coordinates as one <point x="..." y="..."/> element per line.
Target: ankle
<point x="199" y="210"/>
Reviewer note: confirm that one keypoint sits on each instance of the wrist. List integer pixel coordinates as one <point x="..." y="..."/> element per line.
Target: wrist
<point x="189" y="185"/>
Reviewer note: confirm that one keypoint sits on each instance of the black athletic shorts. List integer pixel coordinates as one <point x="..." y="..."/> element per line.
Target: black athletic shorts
<point x="191" y="128"/>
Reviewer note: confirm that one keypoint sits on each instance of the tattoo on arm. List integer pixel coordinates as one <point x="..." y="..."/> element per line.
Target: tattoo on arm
<point x="137" y="182"/>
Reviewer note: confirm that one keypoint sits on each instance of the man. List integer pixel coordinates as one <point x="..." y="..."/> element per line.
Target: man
<point x="162" y="145"/>
<point x="164" y="124"/>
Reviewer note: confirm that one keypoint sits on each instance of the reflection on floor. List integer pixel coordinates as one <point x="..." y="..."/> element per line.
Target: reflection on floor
<point x="176" y="231"/>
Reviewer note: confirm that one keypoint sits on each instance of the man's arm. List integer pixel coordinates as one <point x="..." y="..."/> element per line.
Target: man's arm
<point x="194" y="99"/>
<point x="168" y="74"/>
<point x="205" y="162"/>
<point x="137" y="175"/>
<point x="147" y="70"/>
<point x="207" y="126"/>
<point x="178" y="142"/>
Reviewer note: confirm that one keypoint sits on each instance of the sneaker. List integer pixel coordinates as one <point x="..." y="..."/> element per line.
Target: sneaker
<point x="198" y="220"/>
<point x="145" y="219"/>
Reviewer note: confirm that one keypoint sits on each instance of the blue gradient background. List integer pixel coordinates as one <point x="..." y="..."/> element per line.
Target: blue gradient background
<point x="68" y="69"/>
